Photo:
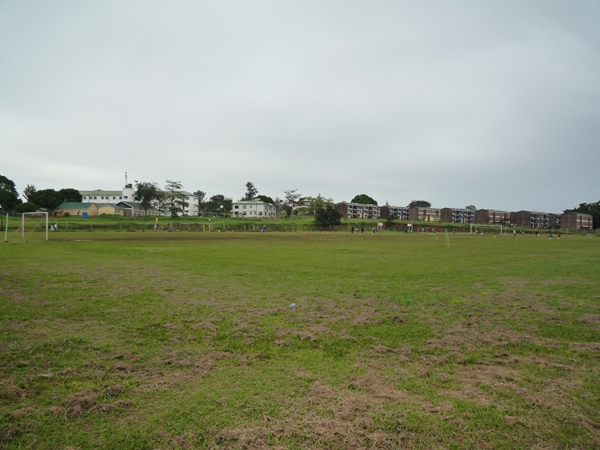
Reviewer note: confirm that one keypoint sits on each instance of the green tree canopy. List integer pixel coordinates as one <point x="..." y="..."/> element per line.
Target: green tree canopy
<point x="26" y="207"/>
<point x="266" y="199"/>
<point x="147" y="194"/>
<point x="218" y="202"/>
<point x="419" y="203"/>
<point x="173" y="199"/>
<point x="29" y="189"/>
<point x="364" y="199"/>
<point x="201" y="196"/>
<point x="9" y="197"/>
<point x="69" y="195"/>
<point x="291" y="202"/>
<point x="251" y="192"/>
<point x="48" y="199"/>
<point x="328" y="216"/>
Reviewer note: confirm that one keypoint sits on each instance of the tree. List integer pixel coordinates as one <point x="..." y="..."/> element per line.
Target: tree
<point x="218" y="202"/>
<point x="70" y="195"/>
<point x="251" y="192"/>
<point x="29" y="189"/>
<point x="389" y="222"/>
<point x="328" y="216"/>
<point x="313" y="203"/>
<point x="9" y="197"/>
<point x="48" y="199"/>
<point x="292" y="199"/>
<point x="26" y="207"/>
<point x="173" y="199"/>
<point x="470" y="208"/>
<point x="592" y="209"/>
<point x="364" y="199"/>
<point x="147" y="194"/>
<point x="265" y="199"/>
<point x="201" y="196"/>
<point x="420" y="204"/>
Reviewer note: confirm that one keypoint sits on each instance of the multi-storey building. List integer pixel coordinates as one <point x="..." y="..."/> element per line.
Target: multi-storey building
<point x="399" y="212"/>
<point x="576" y="221"/>
<point x="358" y="210"/>
<point x="424" y="214"/>
<point x="530" y="219"/>
<point x="127" y="194"/>
<point x="457" y="215"/>
<point x="252" y="209"/>
<point x="492" y="217"/>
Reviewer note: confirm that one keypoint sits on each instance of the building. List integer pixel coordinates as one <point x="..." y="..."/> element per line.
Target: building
<point x="492" y="217"/>
<point x="127" y="194"/>
<point x="399" y="212"/>
<point x="252" y="209"/>
<point x="574" y="221"/>
<point x="457" y="215"/>
<point x="134" y="209"/>
<point x="358" y="211"/>
<point x="424" y="214"/>
<point x="530" y="219"/>
<point x="81" y="209"/>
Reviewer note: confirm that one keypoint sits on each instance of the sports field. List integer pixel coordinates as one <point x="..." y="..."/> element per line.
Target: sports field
<point x="299" y="340"/>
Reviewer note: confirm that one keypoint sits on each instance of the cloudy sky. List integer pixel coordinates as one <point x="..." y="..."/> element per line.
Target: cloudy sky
<point x="491" y="103"/>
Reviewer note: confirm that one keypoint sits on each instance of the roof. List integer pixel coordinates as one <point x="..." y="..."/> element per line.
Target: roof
<point x="252" y="202"/>
<point x="75" y="205"/>
<point x="134" y="205"/>
<point x="101" y="192"/>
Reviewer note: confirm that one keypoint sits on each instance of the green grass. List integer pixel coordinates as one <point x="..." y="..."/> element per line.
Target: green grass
<point x="187" y="340"/>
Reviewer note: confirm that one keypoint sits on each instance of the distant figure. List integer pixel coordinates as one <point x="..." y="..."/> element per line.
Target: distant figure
<point x="515" y="233"/>
<point x="373" y="230"/>
<point x="362" y="230"/>
<point x="352" y="230"/>
<point x="558" y="235"/>
<point x="537" y="233"/>
<point x="550" y="234"/>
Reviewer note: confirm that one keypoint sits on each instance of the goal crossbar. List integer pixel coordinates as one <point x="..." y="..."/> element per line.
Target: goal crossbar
<point x="31" y="214"/>
<point x="477" y="225"/>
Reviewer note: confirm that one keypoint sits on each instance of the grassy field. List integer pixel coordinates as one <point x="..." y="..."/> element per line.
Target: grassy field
<point x="190" y="340"/>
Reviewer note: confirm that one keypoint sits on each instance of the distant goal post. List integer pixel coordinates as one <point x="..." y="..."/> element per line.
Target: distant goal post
<point x="474" y="227"/>
<point x="32" y="214"/>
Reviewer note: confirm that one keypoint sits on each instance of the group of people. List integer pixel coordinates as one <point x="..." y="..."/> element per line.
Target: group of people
<point x="362" y="230"/>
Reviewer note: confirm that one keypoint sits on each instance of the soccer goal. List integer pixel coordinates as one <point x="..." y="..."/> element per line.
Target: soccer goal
<point x="32" y="214"/>
<point x="477" y="228"/>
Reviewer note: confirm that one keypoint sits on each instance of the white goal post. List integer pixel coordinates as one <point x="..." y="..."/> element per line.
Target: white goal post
<point x="30" y="214"/>
<point x="477" y="225"/>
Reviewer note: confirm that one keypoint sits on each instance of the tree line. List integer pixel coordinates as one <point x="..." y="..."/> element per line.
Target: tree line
<point x="171" y="200"/>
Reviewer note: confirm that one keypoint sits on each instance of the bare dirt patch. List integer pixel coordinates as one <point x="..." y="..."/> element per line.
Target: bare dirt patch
<point x="81" y="402"/>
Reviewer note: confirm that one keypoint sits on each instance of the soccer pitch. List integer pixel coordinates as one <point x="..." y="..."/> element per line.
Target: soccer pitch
<point x="299" y="340"/>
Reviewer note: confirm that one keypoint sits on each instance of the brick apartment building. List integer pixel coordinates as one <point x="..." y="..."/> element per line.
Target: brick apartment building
<point x="424" y="214"/>
<point x="358" y="210"/>
<point x="530" y="219"/>
<point x="576" y="221"/>
<point x="399" y="212"/>
<point x="492" y="217"/>
<point x="457" y="215"/>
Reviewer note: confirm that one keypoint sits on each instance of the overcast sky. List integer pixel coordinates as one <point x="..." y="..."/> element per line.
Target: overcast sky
<point x="490" y="103"/>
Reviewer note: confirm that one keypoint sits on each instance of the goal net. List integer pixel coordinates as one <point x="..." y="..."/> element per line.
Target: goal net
<point x="478" y="228"/>
<point x="36" y="225"/>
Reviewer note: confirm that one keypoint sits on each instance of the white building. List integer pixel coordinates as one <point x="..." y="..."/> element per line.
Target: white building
<point x="127" y="194"/>
<point x="253" y="209"/>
